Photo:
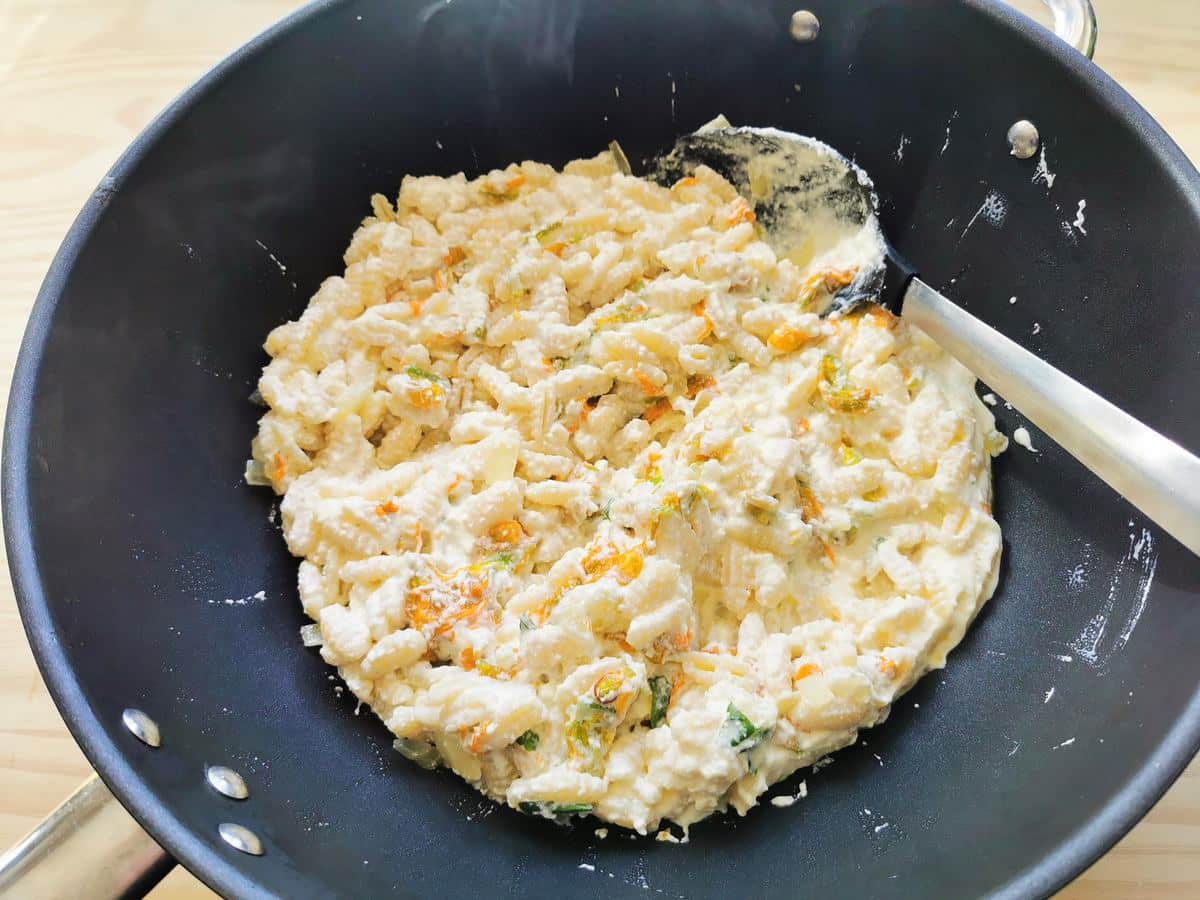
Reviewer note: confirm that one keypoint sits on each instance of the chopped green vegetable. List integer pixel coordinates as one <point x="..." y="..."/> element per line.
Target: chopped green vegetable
<point x="747" y="734"/>
<point x="571" y="809"/>
<point x="414" y="372"/>
<point x="543" y="234"/>
<point x="619" y="157"/>
<point x="529" y="740"/>
<point x="660" y="699"/>
<point x="530" y="808"/>
<point x="527" y="624"/>
<point x="607" y="511"/>
<point x="422" y="753"/>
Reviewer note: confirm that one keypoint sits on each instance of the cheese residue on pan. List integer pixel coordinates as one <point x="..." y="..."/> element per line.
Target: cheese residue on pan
<point x="597" y="512"/>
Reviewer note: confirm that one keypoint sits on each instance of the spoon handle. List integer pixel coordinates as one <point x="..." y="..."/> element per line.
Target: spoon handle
<point x="1152" y="472"/>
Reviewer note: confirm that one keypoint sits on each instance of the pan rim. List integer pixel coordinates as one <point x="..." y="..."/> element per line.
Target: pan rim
<point x="200" y="855"/>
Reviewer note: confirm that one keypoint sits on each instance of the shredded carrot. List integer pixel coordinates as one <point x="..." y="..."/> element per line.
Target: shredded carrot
<point x="657" y="410"/>
<point x="625" y="645"/>
<point x="686" y="182"/>
<point x="280" y="467"/>
<point x="467" y="660"/>
<point x="742" y="212"/>
<point x="700" y="310"/>
<point x="647" y="386"/>
<point x="414" y="307"/>
<point x="478" y="737"/>
<point x="837" y="278"/>
<point x="802" y="427"/>
<point x="515" y="182"/>
<point x="417" y="535"/>
<point x="698" y="383"/>
<point x="888" y="667"/>
<point x="386" y="509"/>
<point x="786" y="339"/>
<point x="556" y="248"/>
<point x="804" y="671"/>
<point x="441" y="280"/>
<point x="458" y="479"/>
<point x="828" y="548"/>
<point x="682" y="640"/>
<point x="454" y="255"/>
<point x="508" y="531"/>
<point x="881" y="317"/>
<point x="720" y="650"/>
<point x="602" y="559"/>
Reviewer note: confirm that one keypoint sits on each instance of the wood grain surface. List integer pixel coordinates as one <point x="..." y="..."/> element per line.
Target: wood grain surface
<point x="80" y="78"/>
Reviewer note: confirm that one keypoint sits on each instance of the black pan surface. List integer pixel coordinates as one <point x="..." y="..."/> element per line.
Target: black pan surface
<point x="128" y="526"/>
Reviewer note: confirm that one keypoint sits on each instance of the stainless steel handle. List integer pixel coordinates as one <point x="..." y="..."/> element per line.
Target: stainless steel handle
<point x="1153" y="473"/>
<point x="1075" y="22"/>
<point x="88" y="847"/>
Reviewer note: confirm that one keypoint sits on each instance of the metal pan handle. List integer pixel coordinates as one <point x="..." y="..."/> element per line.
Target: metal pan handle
<point x="88" y="847"/>
<point x="1075" y="23"/>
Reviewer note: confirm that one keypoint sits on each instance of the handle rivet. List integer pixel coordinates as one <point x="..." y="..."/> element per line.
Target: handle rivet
<point x="1023" y="139"/>
<point x="804" y="26"/>
<point x="144" y="728"/>
<point x="239" y="837"/>
<point x="226" y="781"/>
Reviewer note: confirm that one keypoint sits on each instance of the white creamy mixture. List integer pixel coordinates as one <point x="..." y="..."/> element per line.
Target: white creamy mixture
<point x="596" y="511"/>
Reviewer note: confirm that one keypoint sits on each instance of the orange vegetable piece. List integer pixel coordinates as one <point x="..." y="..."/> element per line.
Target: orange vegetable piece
<point x="804" y="670"/>
<point x="742" y="212"/>
<point x="698" y="383"/>
<point x="785" y="339"/>
<point x="557" y="248"/>
<point x="888" y="667"/>
<point x="478" y="736"/>
<point x="657" y="410"/>
<point x="802" y="427"/>
<point x="508" y="531"/>
<point x="686" y="182"/>
<point x="280" y="467"/>
<point x="454" y="255"/>
<point x="700" y="310"/>
<point x="837" y="278"/>
<point x="810" y="506"/>
<point x="828" y="548"/>
<point x="515" y="182"/>
<point x="386" y="509"/>
<point x="467" y="659"/>
<point x="647" y="386"/>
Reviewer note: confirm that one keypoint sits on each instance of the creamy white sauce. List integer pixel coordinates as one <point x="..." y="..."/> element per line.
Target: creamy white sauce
<point x="597" y="512"/>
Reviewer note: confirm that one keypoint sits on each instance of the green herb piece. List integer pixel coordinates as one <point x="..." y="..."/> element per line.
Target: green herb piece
<point x="660" y="699"/>
<point x="527" y="624"/>
<point x="414" y="372"/>
<point x="530" y="808"/>
<point x="607" y="511"/>
<point x="529" y="740"/>
<point x="571" y="809"/>
<point x="746" y="732"/>
<point x="543" y="234"/>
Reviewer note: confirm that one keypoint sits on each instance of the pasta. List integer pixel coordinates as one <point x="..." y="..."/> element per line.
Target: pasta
<point x="595" y="510"/>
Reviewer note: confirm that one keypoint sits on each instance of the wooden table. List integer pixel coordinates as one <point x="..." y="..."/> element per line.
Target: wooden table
<point x="80" y="78"/>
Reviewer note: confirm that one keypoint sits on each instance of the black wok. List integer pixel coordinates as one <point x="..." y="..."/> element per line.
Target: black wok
<point x="128" y="525"/>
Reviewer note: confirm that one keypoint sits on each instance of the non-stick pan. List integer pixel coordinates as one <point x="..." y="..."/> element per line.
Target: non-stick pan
<point x="151" y="578"/>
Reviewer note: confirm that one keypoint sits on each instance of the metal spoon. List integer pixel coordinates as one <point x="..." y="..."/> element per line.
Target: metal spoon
<point x="814" y="203"/>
